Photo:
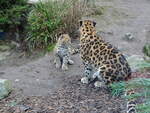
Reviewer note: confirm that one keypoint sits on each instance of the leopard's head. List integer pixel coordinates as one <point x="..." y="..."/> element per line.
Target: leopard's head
<point x="87" y="27"/>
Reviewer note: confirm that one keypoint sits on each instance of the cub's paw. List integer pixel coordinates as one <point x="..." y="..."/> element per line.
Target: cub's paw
<point x="85" y="80"/>
<point x="99" y="84"/>
<point x="57" y="66"/>
<point x="54" y="61"/>
<point x="64" y="67"/>
<point x="71" y="62"/>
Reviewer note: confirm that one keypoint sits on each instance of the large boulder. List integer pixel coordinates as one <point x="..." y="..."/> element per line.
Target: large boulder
<point x="4" y="48"/>
<point x="5" y="88"/>
<point x="4" y="51"/>
<point x="137" y="62"/>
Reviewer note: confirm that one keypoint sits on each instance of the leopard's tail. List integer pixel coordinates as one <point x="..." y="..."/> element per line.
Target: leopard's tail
<point x="131" y="103"/>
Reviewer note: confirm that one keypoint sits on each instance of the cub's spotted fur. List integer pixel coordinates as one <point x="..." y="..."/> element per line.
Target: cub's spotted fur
<point x="62" y="52"/>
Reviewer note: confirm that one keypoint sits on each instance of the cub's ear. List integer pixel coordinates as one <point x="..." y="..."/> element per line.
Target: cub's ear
<point x="94" y="23"/>
<point x="80" y="23"/>
<point x="59" y="34"/>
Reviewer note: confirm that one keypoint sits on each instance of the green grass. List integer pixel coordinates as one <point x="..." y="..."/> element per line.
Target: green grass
<point x="50" y="47"/>
<point x="47" y="19"/>
<point x="143" y="86"/>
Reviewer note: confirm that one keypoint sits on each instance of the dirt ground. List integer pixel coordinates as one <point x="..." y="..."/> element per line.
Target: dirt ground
<point x="42" y="87"/>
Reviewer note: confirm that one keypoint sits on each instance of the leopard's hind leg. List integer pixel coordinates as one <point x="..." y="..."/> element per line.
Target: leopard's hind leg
<point x="88" y="72"/>
<point x="104" y="75"/>
<point x="100" y="81"/>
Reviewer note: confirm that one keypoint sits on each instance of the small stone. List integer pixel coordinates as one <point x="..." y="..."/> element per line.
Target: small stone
<point x="24" y="108"/>
<point x="37" y="80"/>
<point x="98" y="84"/>
<point x="50" y="107"/>
<point x="128" y="37"/>
<point x="37" y="71"/>
<point x="17" y="80"/>
<point x="5" y="88"/>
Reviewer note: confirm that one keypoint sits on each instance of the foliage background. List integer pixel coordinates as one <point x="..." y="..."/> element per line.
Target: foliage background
<point x="48" y="19"/>
<point x="12" y="12"/>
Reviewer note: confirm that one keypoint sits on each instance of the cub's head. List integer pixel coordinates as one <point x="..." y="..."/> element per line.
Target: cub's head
<point x="64" y="39"/>
<point x="87" y="27"/>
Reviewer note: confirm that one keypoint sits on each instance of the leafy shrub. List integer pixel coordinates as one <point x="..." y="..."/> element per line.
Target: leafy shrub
<point x="50" y="47"/>
<point x="11" y="13"/>
<point x="146" y="50"/>
<point x="142" y="84"/>
<point x="49" y="18"/>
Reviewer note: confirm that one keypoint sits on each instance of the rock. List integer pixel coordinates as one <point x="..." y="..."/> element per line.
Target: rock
<point x="17" y="80"/>
<point x="15" y="44"/>
<point x="146" y="58"/>
<point x="24" y="108"/>
<point x="5" y="88"/>
<point x="137" y="62"/>
<point x="4" y="48"/>
<point x="128" y="37"/>
<point x="3" y="55"/>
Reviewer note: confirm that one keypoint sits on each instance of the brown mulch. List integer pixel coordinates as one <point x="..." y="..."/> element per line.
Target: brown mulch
<point x="73" y="97"/>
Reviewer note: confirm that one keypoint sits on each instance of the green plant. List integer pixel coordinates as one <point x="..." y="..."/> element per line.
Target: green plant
<point x="140" y="85"/>
<point x="11" y="13"/>
<point x="143" y="86"/>
<point x="49" y="18"/>
<point x="50" y="47"/>
<point x="146" y="50"/>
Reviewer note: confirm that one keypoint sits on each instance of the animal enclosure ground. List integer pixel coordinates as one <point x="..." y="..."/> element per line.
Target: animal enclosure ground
<point x="40" y="88"/>
<point x="73" y="97"/>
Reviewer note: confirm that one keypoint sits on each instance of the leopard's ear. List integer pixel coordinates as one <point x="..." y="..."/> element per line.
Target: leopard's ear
<point x="80" y="23"/>
<point x="94" y="23"/>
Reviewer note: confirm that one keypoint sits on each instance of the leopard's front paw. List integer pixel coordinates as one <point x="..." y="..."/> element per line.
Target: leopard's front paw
<point x="85" y="80"/>
<point x="64" y="67"/>
<point x="99" y="84"/>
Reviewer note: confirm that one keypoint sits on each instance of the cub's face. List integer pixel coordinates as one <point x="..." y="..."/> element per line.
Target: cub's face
<point x="64" y="39"/>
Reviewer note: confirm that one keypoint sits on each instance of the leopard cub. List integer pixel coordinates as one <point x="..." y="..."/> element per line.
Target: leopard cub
<point x="62" y="52"/>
